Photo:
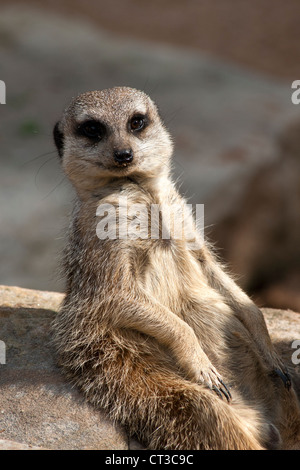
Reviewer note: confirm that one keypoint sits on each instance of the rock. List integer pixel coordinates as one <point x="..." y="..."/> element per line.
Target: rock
<point x="283" y="325"/>
<point x="12" y="445"/>
<point x="284" y="329"/>
<point x="38" y="408"/>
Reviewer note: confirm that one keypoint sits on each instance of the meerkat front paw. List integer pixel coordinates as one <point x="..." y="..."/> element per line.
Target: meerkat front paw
<point x="198" y="368"/>
<point x="212" y="379"/>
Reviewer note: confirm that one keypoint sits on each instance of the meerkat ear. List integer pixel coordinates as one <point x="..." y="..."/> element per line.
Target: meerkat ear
<point x="58" y="139"/>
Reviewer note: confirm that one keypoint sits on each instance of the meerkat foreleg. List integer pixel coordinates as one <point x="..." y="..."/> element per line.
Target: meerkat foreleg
<point x="145" y="314"/>
<point x="246" y="311"/>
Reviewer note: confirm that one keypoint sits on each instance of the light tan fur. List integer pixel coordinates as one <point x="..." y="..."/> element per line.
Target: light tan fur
<point x="152" y="330"/>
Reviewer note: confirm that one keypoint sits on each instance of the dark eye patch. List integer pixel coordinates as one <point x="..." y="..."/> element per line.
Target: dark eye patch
<point x="92" y="129"/>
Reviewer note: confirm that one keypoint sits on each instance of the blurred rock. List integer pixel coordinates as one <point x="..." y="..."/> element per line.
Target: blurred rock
<point x="280" y="293"/>
<point x="38" y="408"/>
<point x="260" y="233"/>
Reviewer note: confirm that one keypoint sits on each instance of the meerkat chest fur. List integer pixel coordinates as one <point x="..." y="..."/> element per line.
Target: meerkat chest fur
<point x="165" y="265"/>
<point x="148" y="223"/>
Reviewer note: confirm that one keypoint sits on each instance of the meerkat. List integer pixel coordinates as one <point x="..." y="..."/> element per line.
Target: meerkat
<point x="153" y="330"/>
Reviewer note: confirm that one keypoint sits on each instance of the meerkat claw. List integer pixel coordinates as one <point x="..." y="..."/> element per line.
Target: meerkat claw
<point x="284" y="376"/>
<point x="222" y="390"/>
<point x="226" y="392"/>
<point x="217" y="391"/>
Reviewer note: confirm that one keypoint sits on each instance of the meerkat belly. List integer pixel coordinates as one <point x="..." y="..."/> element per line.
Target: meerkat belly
<point x="163" y="279"/>
<point x="176" y="280"/>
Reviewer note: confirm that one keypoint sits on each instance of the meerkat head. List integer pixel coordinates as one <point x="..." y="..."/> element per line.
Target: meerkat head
<point x="109" y="134"/>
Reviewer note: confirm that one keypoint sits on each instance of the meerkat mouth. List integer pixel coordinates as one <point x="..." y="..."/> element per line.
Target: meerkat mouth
<point x="122" y="164"/>
<point x="120" y="168"/>
<point x="114" y="168"/>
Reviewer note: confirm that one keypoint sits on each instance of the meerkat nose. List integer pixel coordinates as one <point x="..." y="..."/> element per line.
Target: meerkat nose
<point x="123" y="156"/>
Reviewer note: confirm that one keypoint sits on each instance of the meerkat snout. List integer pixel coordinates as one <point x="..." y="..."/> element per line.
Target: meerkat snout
<point x="123" y="157"/>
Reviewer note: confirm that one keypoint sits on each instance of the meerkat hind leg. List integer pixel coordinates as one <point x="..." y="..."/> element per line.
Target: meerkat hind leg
<point x="165" y="411"/>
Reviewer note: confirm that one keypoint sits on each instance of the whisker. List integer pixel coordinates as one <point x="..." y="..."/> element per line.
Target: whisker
<point x="37" y="173"/>
<point x="38" y="157"/>
<point x="55" y="187"/>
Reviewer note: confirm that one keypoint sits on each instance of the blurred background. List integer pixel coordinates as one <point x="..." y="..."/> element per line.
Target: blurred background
<point x="220" y="71"/>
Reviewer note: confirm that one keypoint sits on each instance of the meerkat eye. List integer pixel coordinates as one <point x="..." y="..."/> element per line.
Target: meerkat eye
<point x="137" y="123"/>
<point x="92" y="129"/>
